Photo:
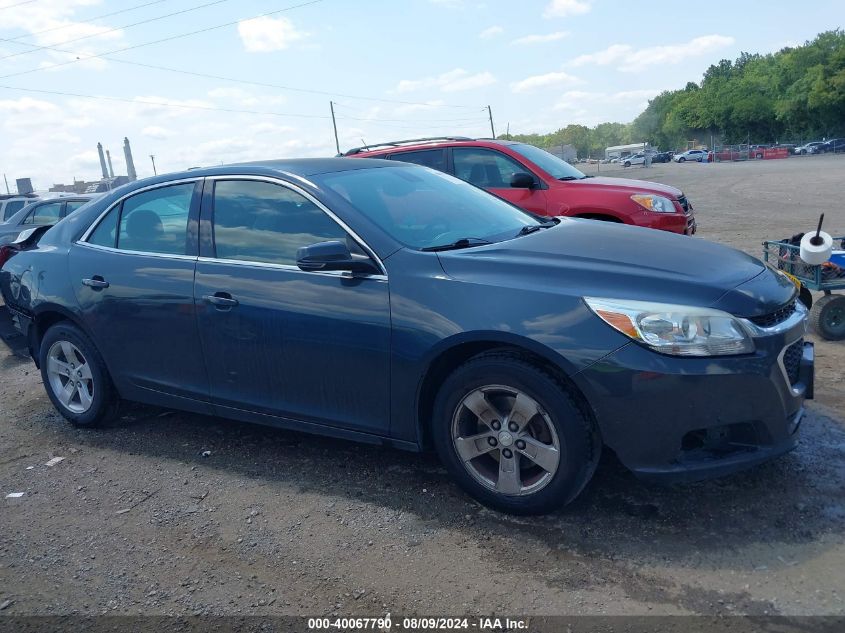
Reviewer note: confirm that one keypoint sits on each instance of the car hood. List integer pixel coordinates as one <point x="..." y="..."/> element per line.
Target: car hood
<point x="629" y="186"/>
<point x="602" y="259"/>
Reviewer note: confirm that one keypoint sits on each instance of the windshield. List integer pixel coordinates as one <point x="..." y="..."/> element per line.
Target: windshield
<point x="551" y="164"/>
<point x="424" y="208"/>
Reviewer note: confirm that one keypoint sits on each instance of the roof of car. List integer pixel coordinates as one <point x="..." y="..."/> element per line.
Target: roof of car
<point x="425" y="143"/>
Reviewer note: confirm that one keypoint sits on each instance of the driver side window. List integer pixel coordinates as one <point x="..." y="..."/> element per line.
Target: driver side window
<point x="265" y="222"/>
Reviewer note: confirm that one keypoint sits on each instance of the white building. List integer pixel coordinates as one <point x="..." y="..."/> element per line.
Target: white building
<point x="620" y="151"/>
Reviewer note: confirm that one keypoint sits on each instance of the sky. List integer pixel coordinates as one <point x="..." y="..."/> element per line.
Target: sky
<point x="204" y="82"/>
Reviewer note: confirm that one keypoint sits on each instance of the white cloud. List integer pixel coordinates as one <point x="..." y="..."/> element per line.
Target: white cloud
<point x="241" y="97"/>
<point x="156" y="132"/>
<point x="51" y="23"/>
<point x="453" y="81"/>
<point x="565" y="8"/>
<point x="266" y="34"/>
<point x="491" y="32"/>
<point x="628" y="59"/>
<point x="544" y="81"/>
<point x="576" y="99"/>
<point x="409" y="108"/>
<point x="541" y="39"/>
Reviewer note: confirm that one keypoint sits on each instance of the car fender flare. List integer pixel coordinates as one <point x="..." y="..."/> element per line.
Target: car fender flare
<point x="64" y="312"/>
<point x="474" y="343"/>
<point x="590" y="212"/>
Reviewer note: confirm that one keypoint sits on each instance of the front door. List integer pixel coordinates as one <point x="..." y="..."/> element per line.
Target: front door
<point x="133" y="277"/>
<point x="278" y="341"/>
<point x="493" y="170"/>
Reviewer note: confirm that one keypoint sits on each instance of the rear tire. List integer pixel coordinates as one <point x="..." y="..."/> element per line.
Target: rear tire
<point x="493" y="411"/>
<point x="75" y="377"/>
<point x="828" y="317"/>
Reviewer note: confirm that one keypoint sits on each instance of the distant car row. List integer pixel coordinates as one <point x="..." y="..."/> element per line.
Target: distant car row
<point x="24" y="212"/>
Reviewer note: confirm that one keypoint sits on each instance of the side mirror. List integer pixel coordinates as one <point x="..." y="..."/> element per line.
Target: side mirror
<point x="334" y="255"/>
<point x="523" y="180"/>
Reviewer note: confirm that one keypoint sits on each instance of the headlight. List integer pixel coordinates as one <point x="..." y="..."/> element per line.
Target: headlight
<point x="675" y="329"/>
<point x="659" y="204"/>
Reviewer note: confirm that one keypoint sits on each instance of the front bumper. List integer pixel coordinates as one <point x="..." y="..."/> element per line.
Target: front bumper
<point x="676" y="419"/>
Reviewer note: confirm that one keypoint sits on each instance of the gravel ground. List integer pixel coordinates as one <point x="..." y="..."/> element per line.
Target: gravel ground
<point x="135" y="520"/>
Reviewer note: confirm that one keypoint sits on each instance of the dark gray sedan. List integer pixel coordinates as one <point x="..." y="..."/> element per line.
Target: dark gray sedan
<point x="41" y="213"/>
<point x="385" y="302"/>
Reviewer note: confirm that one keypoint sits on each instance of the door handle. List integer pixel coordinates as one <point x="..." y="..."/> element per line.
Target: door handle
<point x="221" y="300"/>
<point x="96" y="282"/>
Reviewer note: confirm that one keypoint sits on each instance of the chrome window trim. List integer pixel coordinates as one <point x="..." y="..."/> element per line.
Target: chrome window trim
<point x="296" y="188"/>
<point x="110" y="249"/>
<point x="288" y="268"/>
<point x="120" y="200"/>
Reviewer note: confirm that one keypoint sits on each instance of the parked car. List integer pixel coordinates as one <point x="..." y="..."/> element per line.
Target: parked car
<point x="388" y="303"/>
<point x="661" y="157"/>
<point x="698" y="155"/>
<point x="43" y="212"/>
<point x="834" y="145"/>
<point x="12" y="203"/>
<point x="542" y="183"/>
<point x="633" y="159"/>
<point x="814" y="147"/>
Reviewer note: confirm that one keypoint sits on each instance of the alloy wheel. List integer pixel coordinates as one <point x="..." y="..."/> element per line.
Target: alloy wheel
<point x="505" y="440"/>
<point x="70" y="377"/>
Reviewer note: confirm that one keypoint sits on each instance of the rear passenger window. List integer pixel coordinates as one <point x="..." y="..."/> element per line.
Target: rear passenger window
<point x="434" y="158"/>
<point x="44" y="214"/>
<point x="155" y="221"/>
<point x="264" y="222"/>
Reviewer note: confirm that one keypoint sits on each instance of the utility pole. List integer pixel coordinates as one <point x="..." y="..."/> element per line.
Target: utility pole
<point x="153" y="158"/>
<point x="508" y="131"/>
<point x="334" y="125"/>
<point x="492" y="129"/>
<point x="7" y="184"/>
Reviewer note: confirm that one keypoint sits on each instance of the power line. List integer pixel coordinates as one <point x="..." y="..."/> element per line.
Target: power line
<point x="120" y="28"/>
<point x="94" y="19"/>
<point x="12" y="6"/>
<point x="165" y="39"/>
<point x="164" y="104"/>
<point x="252" y="83"/>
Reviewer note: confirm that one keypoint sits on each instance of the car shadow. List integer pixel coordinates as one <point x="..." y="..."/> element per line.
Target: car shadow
<point x="787" y="506"/>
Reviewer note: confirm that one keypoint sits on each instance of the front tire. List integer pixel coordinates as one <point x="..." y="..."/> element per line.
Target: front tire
<point x="682" y="160"/>
<point x="76" y="378"/>
<point x="512" y="436"/>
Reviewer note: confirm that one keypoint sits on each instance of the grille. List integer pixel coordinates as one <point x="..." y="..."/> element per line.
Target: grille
<point x="684" y="203"/>
<point x="773" y="318"/>
<point x="792" y="360"/>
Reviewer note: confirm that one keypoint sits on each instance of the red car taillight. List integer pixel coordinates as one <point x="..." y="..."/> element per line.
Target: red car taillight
<point x="6" y="253"/>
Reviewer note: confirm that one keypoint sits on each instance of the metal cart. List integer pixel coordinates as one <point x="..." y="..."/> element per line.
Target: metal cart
<point x="827" y="314"/>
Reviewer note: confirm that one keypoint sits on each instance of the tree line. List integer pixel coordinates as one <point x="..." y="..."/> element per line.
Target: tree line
<point x="797" y="93"/>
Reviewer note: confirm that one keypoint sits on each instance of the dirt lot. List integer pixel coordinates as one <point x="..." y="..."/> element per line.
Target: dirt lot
<point x="135" y="520"/>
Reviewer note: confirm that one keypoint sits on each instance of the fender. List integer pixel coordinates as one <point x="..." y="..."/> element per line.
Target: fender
<point x="493" y="338"/>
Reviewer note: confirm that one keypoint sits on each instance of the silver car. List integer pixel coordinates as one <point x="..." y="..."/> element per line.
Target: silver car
<point x="41" y="213"/>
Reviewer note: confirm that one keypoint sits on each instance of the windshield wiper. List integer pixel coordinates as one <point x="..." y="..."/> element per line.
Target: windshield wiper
<point x="527" y="230"/>
<point x="569" y="178"/>
<point x="464" y="242"/>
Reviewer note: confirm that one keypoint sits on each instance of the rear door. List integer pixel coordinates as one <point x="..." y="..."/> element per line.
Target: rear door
<point x="493" y="170"/>
<point x="278" y="341"/>
<point x="133" y="274"/>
